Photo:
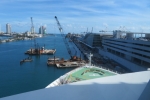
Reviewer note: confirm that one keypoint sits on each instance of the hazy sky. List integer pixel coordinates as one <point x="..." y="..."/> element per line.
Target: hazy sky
<point x="76" y="15"/>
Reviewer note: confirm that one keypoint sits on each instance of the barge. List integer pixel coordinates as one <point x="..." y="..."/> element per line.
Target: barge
<point x="61" y="63"/>
<point x="41" y="51"/>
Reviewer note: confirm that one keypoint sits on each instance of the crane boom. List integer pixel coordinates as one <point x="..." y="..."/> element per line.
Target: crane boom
<point x="63" y="35"/>
<point x="59" y="26"/>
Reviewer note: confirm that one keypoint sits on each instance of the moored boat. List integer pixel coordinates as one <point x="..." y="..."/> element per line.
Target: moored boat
<point x="26" y="60"/>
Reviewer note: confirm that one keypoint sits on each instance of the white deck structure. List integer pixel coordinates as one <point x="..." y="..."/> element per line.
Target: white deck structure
<point x="131" y="86"/>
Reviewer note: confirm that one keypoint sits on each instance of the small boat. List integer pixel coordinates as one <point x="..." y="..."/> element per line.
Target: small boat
<point x="26" y="60"/>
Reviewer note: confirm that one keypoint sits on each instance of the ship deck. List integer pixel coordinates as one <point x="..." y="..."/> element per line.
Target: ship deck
<point x="87" y="73"/>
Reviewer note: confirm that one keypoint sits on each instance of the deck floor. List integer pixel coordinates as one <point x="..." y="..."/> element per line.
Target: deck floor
<point x="88" y="73"/>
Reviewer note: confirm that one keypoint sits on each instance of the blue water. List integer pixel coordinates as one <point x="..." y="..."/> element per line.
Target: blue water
<point x="3" y="37"/>
<point x="16" y="78"/>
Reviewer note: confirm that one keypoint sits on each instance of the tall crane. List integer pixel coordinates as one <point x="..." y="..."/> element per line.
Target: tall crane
<point x="59" y="26"/>
<point x="32" y="26"/>
<point x="32" y="31"/>
<point x="63" y="35"/>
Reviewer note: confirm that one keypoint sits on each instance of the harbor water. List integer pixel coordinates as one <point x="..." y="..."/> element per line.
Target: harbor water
<point x="29" y="76"/>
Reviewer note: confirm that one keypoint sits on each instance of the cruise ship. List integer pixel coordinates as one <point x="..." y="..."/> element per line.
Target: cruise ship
<point x="129" y="49"/>
<point x="93" y="84"/>
<point x="80" y="74"/>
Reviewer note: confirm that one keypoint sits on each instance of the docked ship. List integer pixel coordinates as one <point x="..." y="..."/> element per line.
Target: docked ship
<point x="131" y="50"/>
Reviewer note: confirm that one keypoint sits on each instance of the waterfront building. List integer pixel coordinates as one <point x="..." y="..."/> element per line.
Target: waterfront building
<point x="8" y="28"/>
<point x="28" y="33"/>
<point x="130" y="49"/>
<point x="32" y="30"/>
<point x="42" y="30"/>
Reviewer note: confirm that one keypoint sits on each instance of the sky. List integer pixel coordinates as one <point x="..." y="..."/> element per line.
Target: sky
<point x="76" y="16"/>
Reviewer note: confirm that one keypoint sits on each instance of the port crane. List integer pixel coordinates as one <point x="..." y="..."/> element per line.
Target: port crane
<point x="32" y="31"/>
<point x="32" y="26"/>
<point x="63" y="35"/>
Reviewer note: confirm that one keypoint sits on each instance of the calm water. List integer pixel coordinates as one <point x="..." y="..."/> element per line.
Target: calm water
<point x="16" y="78"/>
